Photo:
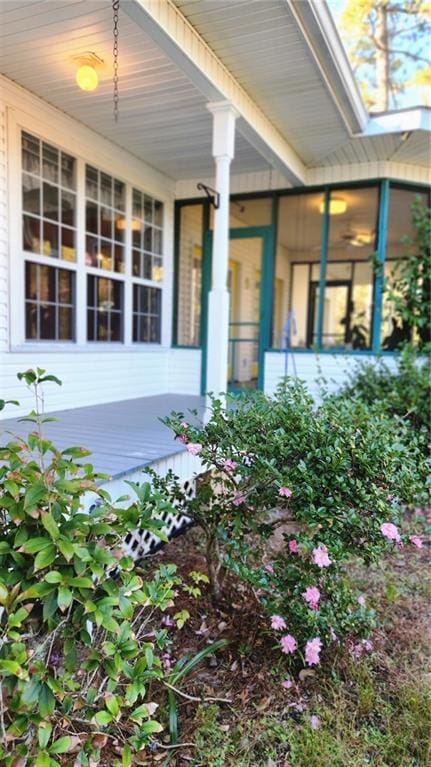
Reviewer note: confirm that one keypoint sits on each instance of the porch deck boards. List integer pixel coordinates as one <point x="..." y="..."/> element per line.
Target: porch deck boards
<point x="122" y="436"/>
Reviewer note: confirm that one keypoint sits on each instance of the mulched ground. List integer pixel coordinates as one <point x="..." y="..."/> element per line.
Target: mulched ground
<point x="249" y="671"/>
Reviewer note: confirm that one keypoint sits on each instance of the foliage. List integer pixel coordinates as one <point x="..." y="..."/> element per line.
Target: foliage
<point x="387" y="42"/>
<point x="410" y="295"/>
<point x="327" y="474"/>
<point x="404" y="392"/>
<point x="80" y="647"/>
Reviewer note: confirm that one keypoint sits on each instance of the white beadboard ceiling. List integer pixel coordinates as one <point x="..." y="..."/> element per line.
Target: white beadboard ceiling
<point x="163" y="115"/>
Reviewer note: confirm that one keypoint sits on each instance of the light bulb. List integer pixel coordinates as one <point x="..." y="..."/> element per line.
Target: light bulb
<point x="87" y="77"/>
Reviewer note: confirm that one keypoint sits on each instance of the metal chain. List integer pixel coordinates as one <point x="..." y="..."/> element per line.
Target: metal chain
<point x="116" y="96"/>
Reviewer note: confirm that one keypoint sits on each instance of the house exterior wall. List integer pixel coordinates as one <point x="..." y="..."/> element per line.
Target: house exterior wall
<point x="92" y="372"/>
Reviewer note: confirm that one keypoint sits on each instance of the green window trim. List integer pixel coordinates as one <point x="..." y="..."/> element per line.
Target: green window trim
<point x="268" y="284"/>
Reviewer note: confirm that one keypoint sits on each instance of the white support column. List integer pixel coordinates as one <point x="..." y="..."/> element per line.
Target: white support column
<point x="224" y="116"/>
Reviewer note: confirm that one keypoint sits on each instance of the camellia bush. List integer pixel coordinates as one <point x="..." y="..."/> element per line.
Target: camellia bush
<point x="333" y="478"/>
<point x="81" y="647"/>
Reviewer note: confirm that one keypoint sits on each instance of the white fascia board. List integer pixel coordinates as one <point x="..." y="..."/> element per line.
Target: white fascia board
<point x="402" y="121"/>
<point x="169" y="28"/>
<point x="316" y="23"/>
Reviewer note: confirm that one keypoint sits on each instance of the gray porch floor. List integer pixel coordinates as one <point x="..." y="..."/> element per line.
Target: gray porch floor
<point x="122" y="436"/>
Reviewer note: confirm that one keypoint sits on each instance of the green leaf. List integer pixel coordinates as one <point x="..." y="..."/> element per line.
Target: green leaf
<point x="126" y="756"/>
<point x="44" y="734"/>
<point x="12" y="668"/>
<point x="53" y="577"/>
<point x="46" y="702"/>
<point x="34" y="494"/>
<point x="112" y="705"/>
<point x="67" y="548"/>
<point x="180" y="672"/>
<point x="61" y="746"/>
<point x="35" y="544"/>
<point x="173" y="716"/>
<point x="50" y="525"/>
<point x="103" y="717"/>
<point x="64" y="598"/>
<point x="45" y="557"/>
<point x="82" y="582"/>
<point x="149" y="728"/>
<point x="3" y="594"/>
<point x="43" y="760"/>
<point x="31" y="692"/>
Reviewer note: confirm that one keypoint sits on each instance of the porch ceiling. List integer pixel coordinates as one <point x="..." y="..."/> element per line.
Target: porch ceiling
<point x="163" y="116"/>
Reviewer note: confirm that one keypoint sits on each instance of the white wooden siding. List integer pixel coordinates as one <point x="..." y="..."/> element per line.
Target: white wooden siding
<point x="4" y="290"/>
<point x="311" y="367"/>
<point x="184" y="371"/>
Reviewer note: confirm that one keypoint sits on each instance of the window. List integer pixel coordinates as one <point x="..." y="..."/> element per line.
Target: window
<point x="297" y="268"/>
<point x="48" y="200"/>
<point x="49" y="303"/>
<point x="147" y="237"/>
<point x="105" y="299"/>
<point x="189" y="275"/>
<point x="147" y="310"/>
<point x="394" y="331"/>
<point x="105" y="220"/>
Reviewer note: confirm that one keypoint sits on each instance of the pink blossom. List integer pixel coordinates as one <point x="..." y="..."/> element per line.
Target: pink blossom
<point x="390" y="531"/>
<point x="314" y="722"/>
<point x="277" y="622"/>
<point x="293" y="546"/>
<point x="183" y="438"/>
<point x="361" y="600"/>
<point x="312" y="596"/>
<point x="229" y="464"/>
<point x="184" y="424"/>
<point x="321" y="557"/>
<point x="238" y="498"/>
<point x="288" y="644"/>
<point x="312" y="651"/>
<point x="359" y="648"/>
<point x="194" y="448"/>
<point x="416" y="541"/>
<point x="269" y="568"/>
<point x="285" y="491"/>
<point x="167" y="621"/>
<point x="287" y="684"/>
<point x="332" y="634"/>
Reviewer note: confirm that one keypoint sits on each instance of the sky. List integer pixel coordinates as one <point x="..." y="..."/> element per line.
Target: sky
<point x="411" y="96"/>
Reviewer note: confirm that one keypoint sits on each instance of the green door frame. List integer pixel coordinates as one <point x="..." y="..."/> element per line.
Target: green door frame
<point x="266" y="233"/>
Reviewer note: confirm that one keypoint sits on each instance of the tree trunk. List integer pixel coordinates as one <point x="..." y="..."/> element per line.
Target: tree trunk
<point x="214" y="566"/>
<point x="383" y="75"/>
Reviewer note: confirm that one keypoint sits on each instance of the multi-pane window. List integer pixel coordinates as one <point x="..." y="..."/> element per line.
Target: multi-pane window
<point x="49" y="303"/>
<point x="105" y="303"/>
<point x="105" y="220"/>
<point x="147" y="237"/>
<point x="48" y="199"/>
<point x="147" y="312"/>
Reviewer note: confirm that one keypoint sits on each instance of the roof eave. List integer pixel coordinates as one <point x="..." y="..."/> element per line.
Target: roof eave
<point x="318" y="28"/>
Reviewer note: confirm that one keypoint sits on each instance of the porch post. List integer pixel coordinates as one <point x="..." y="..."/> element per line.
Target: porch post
<point x="224" y="116"/>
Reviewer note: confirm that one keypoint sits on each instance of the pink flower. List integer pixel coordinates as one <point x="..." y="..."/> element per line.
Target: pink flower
<point x="416" y="541"/>
<point x="238" y="498"/>
<point x="312" y="596"/>
<point x="287" y="684"/>
<point x="285" y="491"/>
<point x="288" y="644"/>
<point x="269" y="568"/>
<point x="277" y="622"/>
<point x="314" y="722"/>
<point x="229" y="464"/>
<point x="361" y="600"/>
<point x="359" y="648"/>
<point x="312" y="651"/>
<point x="332" y="634"/>
<point x="293" y="546"/>
<point x="194" y="448"/>
<point x="321" y="557"/>
<point x="184" y="424"/>
<point x="183" y="438"/>
<point x="390" y="531"/>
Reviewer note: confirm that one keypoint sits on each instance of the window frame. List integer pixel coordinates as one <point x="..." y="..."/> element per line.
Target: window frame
<point x="82" y="148"/>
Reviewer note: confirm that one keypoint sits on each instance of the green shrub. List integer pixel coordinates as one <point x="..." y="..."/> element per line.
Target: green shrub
<point x="404" y="392"/>
<point x="332" y="474"/>
<point x="78" y="656"/>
